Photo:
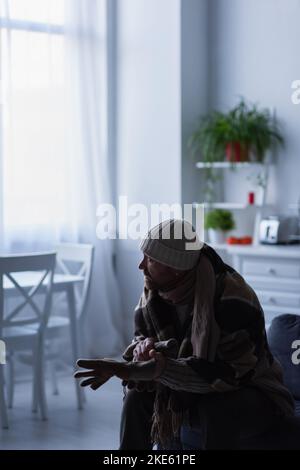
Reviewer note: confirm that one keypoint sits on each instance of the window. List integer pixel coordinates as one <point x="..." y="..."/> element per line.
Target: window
<point x="39" y="11"/>
<point x="33" y="114"/>
<point x="53" y="122"/>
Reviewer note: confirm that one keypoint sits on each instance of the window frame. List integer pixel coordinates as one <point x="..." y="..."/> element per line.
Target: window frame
<point x="111" y="80"/>
<point x="32" y="26"/>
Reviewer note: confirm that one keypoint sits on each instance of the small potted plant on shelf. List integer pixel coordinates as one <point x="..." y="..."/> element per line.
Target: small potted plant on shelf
<point x="218" y="222"/>
<point x="245" y="133"/>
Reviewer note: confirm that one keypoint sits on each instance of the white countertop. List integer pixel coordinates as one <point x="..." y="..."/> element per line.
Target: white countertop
<point x="286" y="251"/>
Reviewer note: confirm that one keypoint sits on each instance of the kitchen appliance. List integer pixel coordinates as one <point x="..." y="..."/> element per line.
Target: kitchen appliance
<point x="279" y="229"/>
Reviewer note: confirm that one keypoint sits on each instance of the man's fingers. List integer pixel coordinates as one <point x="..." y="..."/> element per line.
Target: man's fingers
<point x="142" y="348"/>
<point x="96" y="363"/>
<point x="87" y="382"/>
<point x="147" y="346"/>
<point x="153" y="353"/>
<point x="94" y="383"/>
<point x="97" y="384"/>
<point x="160" y="361"/>
<point x="88" y="363"/>
<point x="136" y="353"/>
<point x="88" y="373"/>
<point x="139" y="350"/>
<point x="139" y="356"/>
<point x="131" y="385"/>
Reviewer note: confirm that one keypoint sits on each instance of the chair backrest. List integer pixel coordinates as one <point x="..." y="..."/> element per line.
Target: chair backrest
<point x="28" y="276"/>
<point x="81" y="255"/>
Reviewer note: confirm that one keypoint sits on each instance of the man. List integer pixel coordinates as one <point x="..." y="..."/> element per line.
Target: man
<point x="199" y="355"/>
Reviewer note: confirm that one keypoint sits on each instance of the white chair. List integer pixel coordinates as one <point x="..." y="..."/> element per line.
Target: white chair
<point x="71" y="260"/>
<point x="68" y="254"/>
<point x="24" y="326"/>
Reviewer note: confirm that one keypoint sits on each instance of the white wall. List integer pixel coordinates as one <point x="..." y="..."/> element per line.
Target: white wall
<point x="175" y="60"/>
<point x="254" y="52"/>
<point x="194" y="87"/>
<point x="148" y="121"/>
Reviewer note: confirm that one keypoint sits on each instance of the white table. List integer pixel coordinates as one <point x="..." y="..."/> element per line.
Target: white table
<point x="61" y="283"/>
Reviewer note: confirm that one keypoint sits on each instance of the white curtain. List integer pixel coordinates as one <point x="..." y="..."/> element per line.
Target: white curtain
<point x="54" y="149"/>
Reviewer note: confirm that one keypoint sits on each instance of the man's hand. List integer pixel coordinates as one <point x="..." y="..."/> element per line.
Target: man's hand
<point x="169" y="348"/>
<point x="101" y="370"/>
<point x="142" y="349"/>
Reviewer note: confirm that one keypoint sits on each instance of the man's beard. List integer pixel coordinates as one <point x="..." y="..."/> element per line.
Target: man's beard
<point x="149" y="282"/>
<point x="161" y="286"/>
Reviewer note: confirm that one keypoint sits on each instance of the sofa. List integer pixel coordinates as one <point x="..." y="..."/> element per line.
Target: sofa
<point x="285" y="435"/>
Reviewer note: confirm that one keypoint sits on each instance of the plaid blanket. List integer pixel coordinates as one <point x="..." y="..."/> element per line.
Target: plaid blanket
<point x="242" y="356"/>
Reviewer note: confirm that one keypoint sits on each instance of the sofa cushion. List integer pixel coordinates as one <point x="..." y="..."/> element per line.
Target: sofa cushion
<point x="284" y="435"/>
<point x="284" y="330"/>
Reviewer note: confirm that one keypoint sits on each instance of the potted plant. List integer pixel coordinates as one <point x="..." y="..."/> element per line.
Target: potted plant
<point x="245" y="133"/>
<point x="218" y="222"/>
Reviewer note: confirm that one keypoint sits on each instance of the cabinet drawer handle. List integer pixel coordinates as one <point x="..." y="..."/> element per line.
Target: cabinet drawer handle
<point x="272" y="271"/>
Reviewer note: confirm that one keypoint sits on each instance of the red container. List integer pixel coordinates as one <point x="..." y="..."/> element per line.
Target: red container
<point x="251" y="198"/>
<point x="236" y="152"/>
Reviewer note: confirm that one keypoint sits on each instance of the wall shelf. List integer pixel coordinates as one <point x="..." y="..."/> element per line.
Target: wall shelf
<point x="225" y="205"/>
<point x="262" y="170"/>
<point x="230" y="165"/>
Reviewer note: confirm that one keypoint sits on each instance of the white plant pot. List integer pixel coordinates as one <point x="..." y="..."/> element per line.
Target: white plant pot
<point x="216" y="237"/>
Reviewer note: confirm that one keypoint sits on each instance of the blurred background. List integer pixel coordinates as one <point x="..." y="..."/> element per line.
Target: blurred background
<point x="100" y="99"/>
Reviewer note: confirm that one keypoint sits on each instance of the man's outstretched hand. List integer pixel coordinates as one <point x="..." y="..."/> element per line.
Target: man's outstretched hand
<point x="101" y="370"/>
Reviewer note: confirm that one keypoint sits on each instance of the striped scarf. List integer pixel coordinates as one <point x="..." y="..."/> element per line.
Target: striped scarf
<point x="199" y="338"/>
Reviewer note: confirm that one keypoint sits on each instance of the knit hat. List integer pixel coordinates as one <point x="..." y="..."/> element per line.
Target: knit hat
<point x="174" y="243"/>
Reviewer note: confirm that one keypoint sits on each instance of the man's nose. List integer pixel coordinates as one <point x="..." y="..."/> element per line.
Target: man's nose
<point x="142" y="264"/>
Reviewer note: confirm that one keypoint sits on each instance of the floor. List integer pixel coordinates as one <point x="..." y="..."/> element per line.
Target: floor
<point x="67" y="428"/>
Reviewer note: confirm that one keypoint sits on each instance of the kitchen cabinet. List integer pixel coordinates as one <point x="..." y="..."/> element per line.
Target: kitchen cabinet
<point x="273" y="272"/>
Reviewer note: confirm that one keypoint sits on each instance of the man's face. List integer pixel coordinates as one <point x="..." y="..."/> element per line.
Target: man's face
<point x="159" y="273"/>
